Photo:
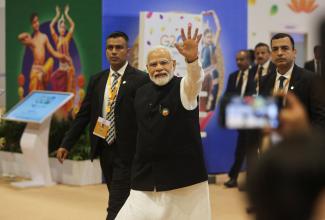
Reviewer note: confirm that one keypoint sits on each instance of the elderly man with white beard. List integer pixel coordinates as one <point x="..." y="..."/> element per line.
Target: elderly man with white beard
<point x="169" y="178"/>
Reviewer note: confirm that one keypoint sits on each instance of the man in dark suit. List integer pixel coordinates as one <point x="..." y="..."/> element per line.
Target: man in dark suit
<point x="314" y="65"/>
<point x="108" y="109"/>
<point x="264" y="65"/>
<point x="290" y="77"/>
<point x="238" y="84"/>
<point x="237" y="81"/>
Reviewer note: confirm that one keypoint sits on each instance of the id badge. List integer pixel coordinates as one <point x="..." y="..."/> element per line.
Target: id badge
<point x="101" y="128"/>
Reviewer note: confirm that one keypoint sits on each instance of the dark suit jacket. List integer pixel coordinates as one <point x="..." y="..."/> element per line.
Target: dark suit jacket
<point x="231" y="84"/>
<point x="271" y="68"/>
<point x="302" y="85"/>
<point x="91" y="109"/>
<point x="310" y="65"/>
<point x="251" y="89"/>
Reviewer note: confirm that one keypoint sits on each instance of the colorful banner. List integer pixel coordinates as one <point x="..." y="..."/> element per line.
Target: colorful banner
<point x="161" y="28"/>
<point x="224" y="25"/>
<point x="52" y="45"/>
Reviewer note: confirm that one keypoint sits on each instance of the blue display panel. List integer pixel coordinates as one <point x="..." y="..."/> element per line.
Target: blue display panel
<point x="37" y="106"/>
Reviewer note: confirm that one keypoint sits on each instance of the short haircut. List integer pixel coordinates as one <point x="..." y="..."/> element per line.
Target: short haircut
<point x="117" y="34"/>
<point x="288" y="178"/>
<point x="283" y="35"/>
<point x="32" y="16"/>
<point x="245" y="51"/>
<point x="317" y="47"/>
<point x="251" y="55"/>
<point x="261" y="44"/>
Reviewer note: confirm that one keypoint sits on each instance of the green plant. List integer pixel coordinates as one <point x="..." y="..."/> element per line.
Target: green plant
<point x="11" y="132"/>
<point x="58" y="129"/>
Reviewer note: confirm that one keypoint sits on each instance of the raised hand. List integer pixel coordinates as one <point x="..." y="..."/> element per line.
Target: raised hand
<point x="57" y="9"/>
<point x="189" y="47"/>
<point x="66" y="9"/>
<point x="209" y="12"/>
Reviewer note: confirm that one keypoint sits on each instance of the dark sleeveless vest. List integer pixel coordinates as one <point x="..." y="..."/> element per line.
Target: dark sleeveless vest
<point x="169" y="148"/>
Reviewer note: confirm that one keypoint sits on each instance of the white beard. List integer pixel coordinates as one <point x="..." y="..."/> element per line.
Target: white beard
<point x="163" y="80"/>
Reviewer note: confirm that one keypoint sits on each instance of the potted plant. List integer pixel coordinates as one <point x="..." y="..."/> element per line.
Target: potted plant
<point x="76" y="170"/>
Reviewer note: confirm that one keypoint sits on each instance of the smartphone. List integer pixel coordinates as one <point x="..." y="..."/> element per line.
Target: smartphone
<point x="250" y="112"/>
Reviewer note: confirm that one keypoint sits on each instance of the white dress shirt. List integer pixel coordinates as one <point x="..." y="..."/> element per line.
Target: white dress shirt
<point x="108" y="86"/>
<point x="286" y="82"/>
<point x="191" y="85"/>
<point x="245" y="78"/>
<point x="265" y="67"/>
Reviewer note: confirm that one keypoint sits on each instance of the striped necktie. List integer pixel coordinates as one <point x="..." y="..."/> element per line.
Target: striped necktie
<point x="111" y="105"/>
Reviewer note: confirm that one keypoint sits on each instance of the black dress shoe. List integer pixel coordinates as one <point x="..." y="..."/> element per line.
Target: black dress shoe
<point x="231" y="183"/>
<point x="250" y="210"/>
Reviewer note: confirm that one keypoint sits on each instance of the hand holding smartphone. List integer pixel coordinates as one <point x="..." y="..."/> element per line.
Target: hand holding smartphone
<point x="250" y="112"/>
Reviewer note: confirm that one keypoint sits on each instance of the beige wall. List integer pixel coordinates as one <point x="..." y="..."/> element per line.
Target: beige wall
<point x="261" y="22"/>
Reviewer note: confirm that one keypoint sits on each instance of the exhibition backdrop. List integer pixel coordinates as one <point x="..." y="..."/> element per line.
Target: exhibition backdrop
<point x="227" y="21"/>
<point x="30" y="62"/>
<point x="224" y="24"/>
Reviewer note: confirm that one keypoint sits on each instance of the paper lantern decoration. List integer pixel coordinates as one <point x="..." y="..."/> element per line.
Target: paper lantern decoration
<point x="21" y="92"/>
<point x="21" y="79"/>
<point x="81" y="94"/>
<point x="81" y="81"/>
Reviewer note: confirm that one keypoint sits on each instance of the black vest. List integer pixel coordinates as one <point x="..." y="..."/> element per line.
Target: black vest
<point x="169" y="148"/>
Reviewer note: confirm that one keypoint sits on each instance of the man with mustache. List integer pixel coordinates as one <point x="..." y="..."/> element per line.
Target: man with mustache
<point x="264" y="65"/>
<point x="291" y="78"/>
<point x="169" y="179"/>
<point x="240" y="83"/>
<point x="108" y="109"/>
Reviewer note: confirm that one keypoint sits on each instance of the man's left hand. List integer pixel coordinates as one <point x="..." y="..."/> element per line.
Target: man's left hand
<point x="189" y="48"/>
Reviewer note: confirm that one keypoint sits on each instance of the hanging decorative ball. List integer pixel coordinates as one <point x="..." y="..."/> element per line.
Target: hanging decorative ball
<point x="81" y="80"/>
<point x="21" y="79"/>
<point x="81" y="94"/>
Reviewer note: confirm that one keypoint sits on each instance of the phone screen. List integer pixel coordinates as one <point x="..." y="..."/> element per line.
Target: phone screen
<point x="251" y="112"/>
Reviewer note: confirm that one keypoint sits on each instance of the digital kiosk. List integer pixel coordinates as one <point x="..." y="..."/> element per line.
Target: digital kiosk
<point x="36" y="110"/>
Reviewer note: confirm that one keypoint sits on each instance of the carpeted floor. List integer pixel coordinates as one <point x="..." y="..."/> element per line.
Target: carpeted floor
<point x="62" y="202"/>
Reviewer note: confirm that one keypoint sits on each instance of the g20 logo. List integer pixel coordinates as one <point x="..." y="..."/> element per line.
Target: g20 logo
<point x="169" y="40"/>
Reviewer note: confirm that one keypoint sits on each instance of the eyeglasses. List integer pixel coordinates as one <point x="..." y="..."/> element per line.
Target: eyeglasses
<point x="163" y="62"/>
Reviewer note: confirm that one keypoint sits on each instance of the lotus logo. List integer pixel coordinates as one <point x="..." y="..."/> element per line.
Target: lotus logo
<point x="306" y="6"/>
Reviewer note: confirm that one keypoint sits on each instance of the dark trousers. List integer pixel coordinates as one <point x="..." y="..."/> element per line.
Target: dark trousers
<point x="240" y="154"/>
<point x="117" y="174"/>
<point x="248" y="142"/>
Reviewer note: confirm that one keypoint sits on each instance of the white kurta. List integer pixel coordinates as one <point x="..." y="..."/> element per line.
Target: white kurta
<point x="187" y="203"/>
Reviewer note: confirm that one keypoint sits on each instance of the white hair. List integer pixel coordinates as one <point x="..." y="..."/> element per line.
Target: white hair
<point x="159" y="47"/>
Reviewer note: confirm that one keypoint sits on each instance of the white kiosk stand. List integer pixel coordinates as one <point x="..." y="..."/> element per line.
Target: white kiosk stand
<point x="37" y="109"/>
